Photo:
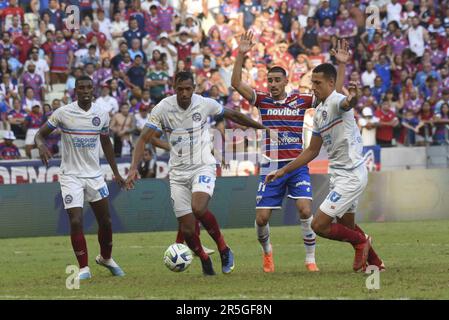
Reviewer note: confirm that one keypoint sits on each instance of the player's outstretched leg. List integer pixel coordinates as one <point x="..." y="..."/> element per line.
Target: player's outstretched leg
<point x="180" y="237"/>
<point x="187" y="226"/>
<point x="308" y="235"/>
<point x="79" y="241"/>
<point x="207" y="219"/>
<point x="323" y="226"/>
<point x="101" y="210"/>
<point x="263" y="235"/>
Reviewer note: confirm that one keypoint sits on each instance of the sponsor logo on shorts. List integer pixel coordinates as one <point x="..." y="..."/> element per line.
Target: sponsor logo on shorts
<point x="196" y="117"/>
<point x="96" y="121"/>
<point x="258" y="198"/>
<point x="68" y="199"/>
<point x="303" y="183"/>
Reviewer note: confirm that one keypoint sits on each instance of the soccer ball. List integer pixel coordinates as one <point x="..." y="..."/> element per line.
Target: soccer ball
<point x="178" y="257"/>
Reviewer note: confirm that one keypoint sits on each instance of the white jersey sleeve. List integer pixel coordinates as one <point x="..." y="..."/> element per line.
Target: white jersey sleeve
<point x="155" y="119"/>
<point x="214" y="108"/>
<point x="55" y="119"/>
<point x="105" y="129"/>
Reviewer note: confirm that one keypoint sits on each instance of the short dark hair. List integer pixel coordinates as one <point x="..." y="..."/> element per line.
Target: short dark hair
<point x="184" y="75"/>
<point x="327" y="69"/>
<point x="278" y="69"/>
<point x="82" y="78"/>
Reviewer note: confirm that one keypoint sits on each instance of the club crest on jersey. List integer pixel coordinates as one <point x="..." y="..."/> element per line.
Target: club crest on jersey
<point x="324" y="115"/>
<point x="96" y="121"/>
<point x="68" y="199"/>
<point x="196" y="117"/>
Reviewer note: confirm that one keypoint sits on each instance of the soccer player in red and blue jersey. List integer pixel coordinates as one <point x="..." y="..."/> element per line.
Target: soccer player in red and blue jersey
<point x="283" y="114"/>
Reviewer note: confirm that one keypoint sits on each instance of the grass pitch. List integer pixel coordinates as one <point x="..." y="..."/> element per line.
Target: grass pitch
<point x="416" y="255"/>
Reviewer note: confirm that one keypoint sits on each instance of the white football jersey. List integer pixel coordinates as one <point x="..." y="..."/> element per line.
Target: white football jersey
<point x="340" y="134"/>
<point x="80" y="138"/>
<point x="187" y="130"/>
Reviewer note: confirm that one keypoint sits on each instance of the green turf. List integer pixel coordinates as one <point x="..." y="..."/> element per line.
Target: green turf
<point x="415" y="253"/>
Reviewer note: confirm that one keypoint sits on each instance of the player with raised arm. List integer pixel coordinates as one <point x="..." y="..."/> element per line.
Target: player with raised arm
<point x="183" y="117"/>
<point x="335" y="128"/>
<point x="84" y="126"/>
<point x="284" y="115"/>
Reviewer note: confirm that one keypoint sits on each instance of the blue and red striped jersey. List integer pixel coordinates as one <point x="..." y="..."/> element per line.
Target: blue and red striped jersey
<point x="286" y="117"/>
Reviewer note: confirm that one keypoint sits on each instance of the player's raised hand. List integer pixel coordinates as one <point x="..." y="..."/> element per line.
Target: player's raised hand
<point x="246" y="42"/>
<point x="274" y="175"/>
<point x="44" y="154"/>
<point x="341" y="53"/>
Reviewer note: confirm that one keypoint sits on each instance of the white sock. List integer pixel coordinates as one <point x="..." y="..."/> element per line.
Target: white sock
<point x="263" y="235"/>
<point x="309" y="239"/>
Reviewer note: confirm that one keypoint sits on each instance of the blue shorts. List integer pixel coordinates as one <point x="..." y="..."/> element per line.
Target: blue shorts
<point x="270" y="196"/>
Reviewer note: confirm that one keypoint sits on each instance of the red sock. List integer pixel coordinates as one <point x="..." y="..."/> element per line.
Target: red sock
<point x="105" y="240"/>
<point x="180" y="236"/>
<point x="373" y="258"/>
<point x="80" y="248"/>
<point x="341" y="233"/>
<point x="210" y="223"/>
<point x="194" y="243"/>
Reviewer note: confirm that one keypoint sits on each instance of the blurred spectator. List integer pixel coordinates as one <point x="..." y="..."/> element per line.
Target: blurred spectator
<point x="441" y="121"/>
<point x="367" y="125"/>
<point x="16" y="119"/>
<point x="148" y="167"/>
<point x="412" y="125"/>
<point x="106" y="101"/>
<point x="8" y="150"/>
<point x="157" y="81"/>
<point x="387" y="121"/>
<point x="369" y="75"/>
<point x="122" y="126"/>
<point x="33" y="122"/>
<point x="29" y="100"/>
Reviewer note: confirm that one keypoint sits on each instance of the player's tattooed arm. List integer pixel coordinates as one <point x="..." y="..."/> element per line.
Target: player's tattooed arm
<point x="39" y="139"/>
<point x="243" y="120"/>
<point x="246" y="44"/>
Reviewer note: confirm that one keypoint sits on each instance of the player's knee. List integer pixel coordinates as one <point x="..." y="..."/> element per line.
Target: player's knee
<point x="198" y="210"/>
<point x="305" y="212"/>
<point x="76" y="223"/>
<point x="261" y="221"/>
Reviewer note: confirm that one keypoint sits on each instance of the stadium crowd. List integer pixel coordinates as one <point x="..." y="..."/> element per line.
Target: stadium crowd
<point x="132" y="49"/>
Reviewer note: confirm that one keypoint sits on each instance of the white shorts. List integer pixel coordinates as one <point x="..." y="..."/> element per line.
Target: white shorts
<point x="183" y="184"/>
<point x="29" y="139"/>
<point x="77" y="190"/>
<point x="346" y="186"/>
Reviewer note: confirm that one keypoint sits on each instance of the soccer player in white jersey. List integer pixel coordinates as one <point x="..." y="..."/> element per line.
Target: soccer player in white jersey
<point x="183" y="117"/>
<point x="84" y="126"/>
<point x="335" y="128"/>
